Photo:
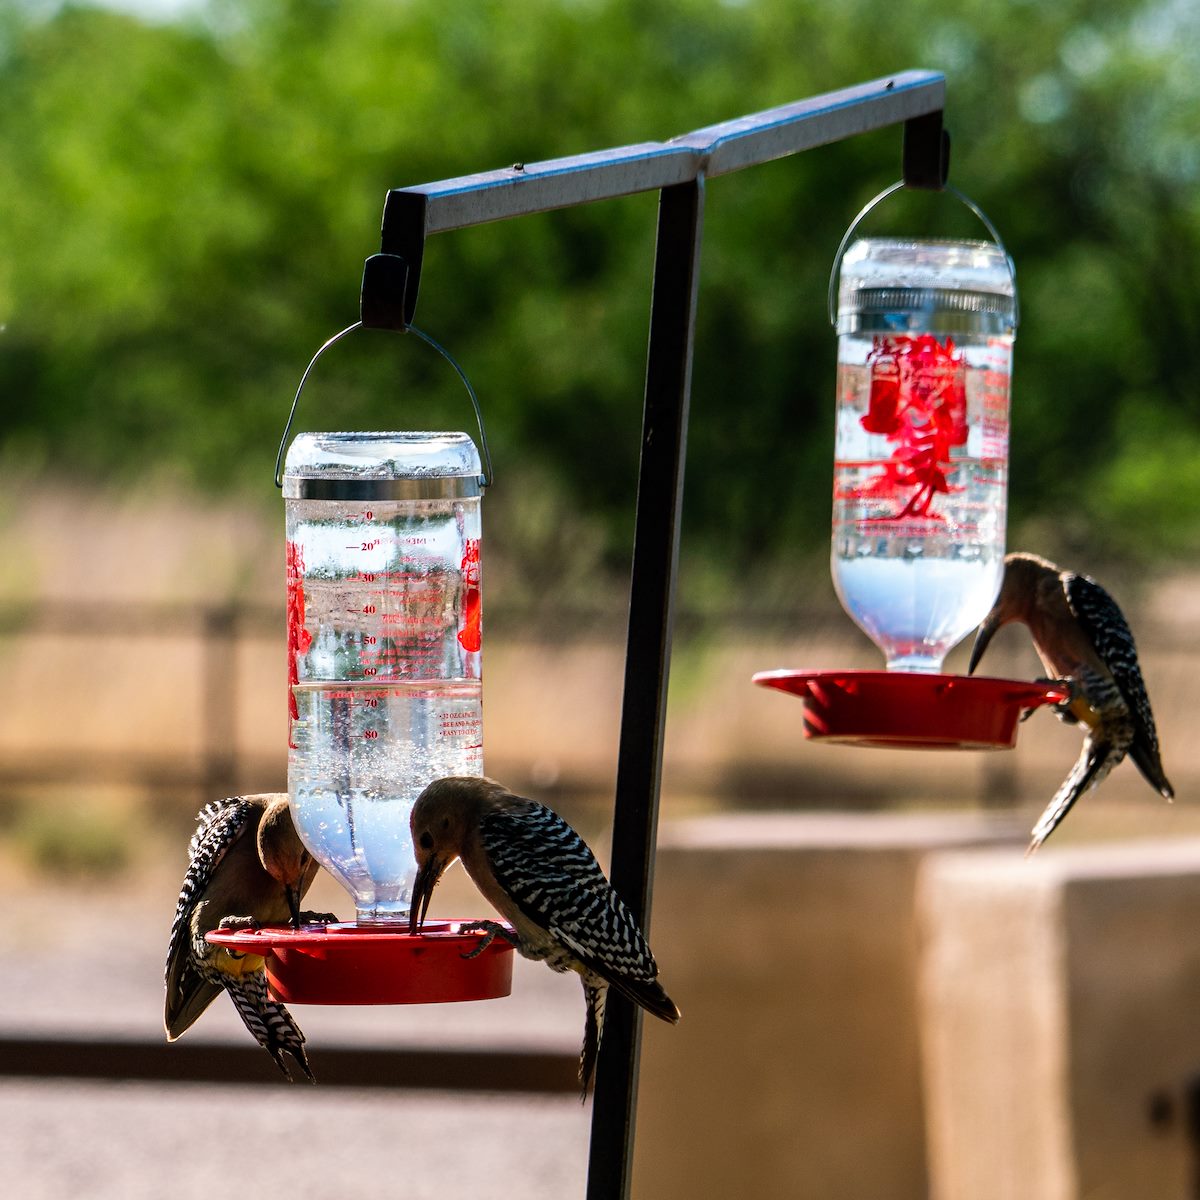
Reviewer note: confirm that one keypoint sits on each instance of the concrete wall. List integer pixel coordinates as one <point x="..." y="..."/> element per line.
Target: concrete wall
<point x="1061" y="1016"/>
<point x="789" y="943"/>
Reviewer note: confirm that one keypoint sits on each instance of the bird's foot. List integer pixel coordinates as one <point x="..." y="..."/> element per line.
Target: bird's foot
<point x="491" y="931"/>
<point x="239" y="923"/>
<point x="318" y="918"/>
<point x="1062" y="708"/>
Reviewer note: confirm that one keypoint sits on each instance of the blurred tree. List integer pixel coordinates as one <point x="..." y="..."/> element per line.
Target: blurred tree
<point x="187" y="206"/>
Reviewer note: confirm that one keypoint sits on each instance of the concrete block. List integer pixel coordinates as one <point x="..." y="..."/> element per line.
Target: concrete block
<point x="1060" y="1005"/>
<point x="789" y="942"/>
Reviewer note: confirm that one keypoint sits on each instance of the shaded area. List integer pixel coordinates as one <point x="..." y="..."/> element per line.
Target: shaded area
<point x="343" y="1066"/>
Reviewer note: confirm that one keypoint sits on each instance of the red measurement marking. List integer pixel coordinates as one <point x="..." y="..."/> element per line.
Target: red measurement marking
<point x="298" y="638"/>
<point x="470" y="636"/>
<point x="919" y="402"/>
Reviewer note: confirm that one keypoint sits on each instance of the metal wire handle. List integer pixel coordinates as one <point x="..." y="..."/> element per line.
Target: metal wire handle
<point x="484" y="480"/>
<point x="895" y="187"/>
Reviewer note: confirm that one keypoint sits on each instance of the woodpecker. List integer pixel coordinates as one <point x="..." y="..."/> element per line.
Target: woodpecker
<point x="1081" y="637"/>
<point x="246" y="867"/>
<point x="544" y="880"/>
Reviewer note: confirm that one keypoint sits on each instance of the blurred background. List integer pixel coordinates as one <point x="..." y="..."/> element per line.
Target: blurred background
<point x="187" y="193"/>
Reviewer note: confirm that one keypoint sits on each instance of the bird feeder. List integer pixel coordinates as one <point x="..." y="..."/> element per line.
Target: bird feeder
<point x="925" y="335"/>
<point x="385" y="695"/>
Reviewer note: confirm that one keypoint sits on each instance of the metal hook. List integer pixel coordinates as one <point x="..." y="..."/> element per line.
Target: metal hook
<point x="895" y="187"/>
<point x="485" y="479"/>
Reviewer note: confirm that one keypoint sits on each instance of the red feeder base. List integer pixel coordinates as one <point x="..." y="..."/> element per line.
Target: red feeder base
<point x="897" y="709"/>
<point x="348" y="964"/>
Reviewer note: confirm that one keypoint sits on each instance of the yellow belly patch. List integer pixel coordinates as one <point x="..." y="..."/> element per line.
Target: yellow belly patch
<point x="1084" y="713"/>
<point x="238" y="965"/>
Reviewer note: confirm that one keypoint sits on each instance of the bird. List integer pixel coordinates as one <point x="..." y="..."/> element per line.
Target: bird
<point x="246" y="867"/>
<point x="540" y="875"/>
<point x="1082" y="638"/>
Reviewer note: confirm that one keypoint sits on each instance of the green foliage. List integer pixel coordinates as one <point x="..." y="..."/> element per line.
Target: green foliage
<point x="187" y="207"/>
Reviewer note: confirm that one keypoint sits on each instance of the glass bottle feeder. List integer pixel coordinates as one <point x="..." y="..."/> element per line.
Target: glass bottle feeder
<point x="925" y="335"/>
<point x="384" y="646"/>
<point x="385" y="694"/>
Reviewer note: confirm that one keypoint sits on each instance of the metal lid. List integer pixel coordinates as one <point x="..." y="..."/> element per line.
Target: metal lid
<point x="894" y="285"/>
<point x="415" y="465"/>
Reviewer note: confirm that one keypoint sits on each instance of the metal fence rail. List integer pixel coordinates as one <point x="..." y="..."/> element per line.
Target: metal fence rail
<point x="129" y="1059"/>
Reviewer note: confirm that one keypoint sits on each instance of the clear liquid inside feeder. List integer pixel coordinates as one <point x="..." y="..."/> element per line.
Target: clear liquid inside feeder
<point x="384" y="646"/>
<point x="925" y="334"/>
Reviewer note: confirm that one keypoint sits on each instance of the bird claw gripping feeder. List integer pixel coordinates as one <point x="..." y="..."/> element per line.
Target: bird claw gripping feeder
<point x="925" y="334"/>
<point x="384" y="644"/>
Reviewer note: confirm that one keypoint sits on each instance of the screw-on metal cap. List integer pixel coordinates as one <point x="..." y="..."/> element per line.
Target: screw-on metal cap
<point x="382" y="466"/>
<point x="891" y="285"/>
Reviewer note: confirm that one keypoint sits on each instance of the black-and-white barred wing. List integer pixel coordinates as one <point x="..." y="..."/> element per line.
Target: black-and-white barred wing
<point x="554" y="879"/>
<point x="1097" y="612"/>
<point x="220" y="824"/>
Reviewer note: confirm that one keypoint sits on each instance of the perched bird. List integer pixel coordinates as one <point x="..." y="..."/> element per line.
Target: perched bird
<point x="1081" y="637"/>
<point x="542" y="878"/>
<point x="247" y="867"/>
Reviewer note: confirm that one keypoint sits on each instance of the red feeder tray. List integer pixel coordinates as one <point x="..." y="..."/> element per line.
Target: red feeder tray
<point x="897" y="709"/>
<point x="349" y="964"/>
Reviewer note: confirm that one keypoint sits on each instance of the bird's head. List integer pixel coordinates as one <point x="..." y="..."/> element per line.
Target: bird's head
<point x="284" y="856"/>
<point x="443" y="819"/>
<point x="1025" y="577"/>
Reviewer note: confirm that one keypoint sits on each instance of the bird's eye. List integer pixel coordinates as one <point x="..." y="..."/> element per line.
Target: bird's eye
<point x="427" y="840"/>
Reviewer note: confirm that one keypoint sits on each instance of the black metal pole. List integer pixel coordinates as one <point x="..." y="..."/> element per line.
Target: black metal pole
<point x="647" y="658"/>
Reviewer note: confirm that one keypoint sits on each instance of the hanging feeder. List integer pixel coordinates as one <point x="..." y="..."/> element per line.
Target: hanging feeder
<point x="906" y="709"/>
<point x="343" y="964"/>
<point x="385" y="695"/>
<point x="925" y="334"/>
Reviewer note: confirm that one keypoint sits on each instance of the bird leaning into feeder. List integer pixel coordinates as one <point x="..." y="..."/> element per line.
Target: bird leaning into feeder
<point x="246" y="867"/>
<point x="1082" y="638"/>
<point x="544" y="880"/>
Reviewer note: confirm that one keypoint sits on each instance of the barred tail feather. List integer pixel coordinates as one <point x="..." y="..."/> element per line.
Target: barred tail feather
<point x="286" y="1036"/>
<point x="595" y="995"/>
<point x="270" y="1023"/>
<point x="1091" y="768"/>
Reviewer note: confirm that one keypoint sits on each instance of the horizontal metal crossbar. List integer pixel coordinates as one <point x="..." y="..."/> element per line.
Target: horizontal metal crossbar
<point x="526" y="188"/>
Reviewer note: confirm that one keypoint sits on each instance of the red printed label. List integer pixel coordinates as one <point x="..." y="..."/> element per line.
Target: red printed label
<point x="298" y="638"/>
<point x="470" y="636"/>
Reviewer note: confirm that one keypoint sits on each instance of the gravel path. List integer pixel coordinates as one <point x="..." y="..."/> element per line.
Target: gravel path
<point x="82" y="1141"/>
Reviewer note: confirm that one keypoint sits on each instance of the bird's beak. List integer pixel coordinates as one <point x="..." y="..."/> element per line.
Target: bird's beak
<point x="427" y="878"/>
<point x="293" y="899"/>
<point x="986" y="632"/>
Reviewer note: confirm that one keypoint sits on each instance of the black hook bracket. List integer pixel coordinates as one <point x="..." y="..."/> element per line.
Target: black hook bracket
<point x="392" y="277"/>
<point x="926" y="154"/>
<point x="384" y="290"/>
